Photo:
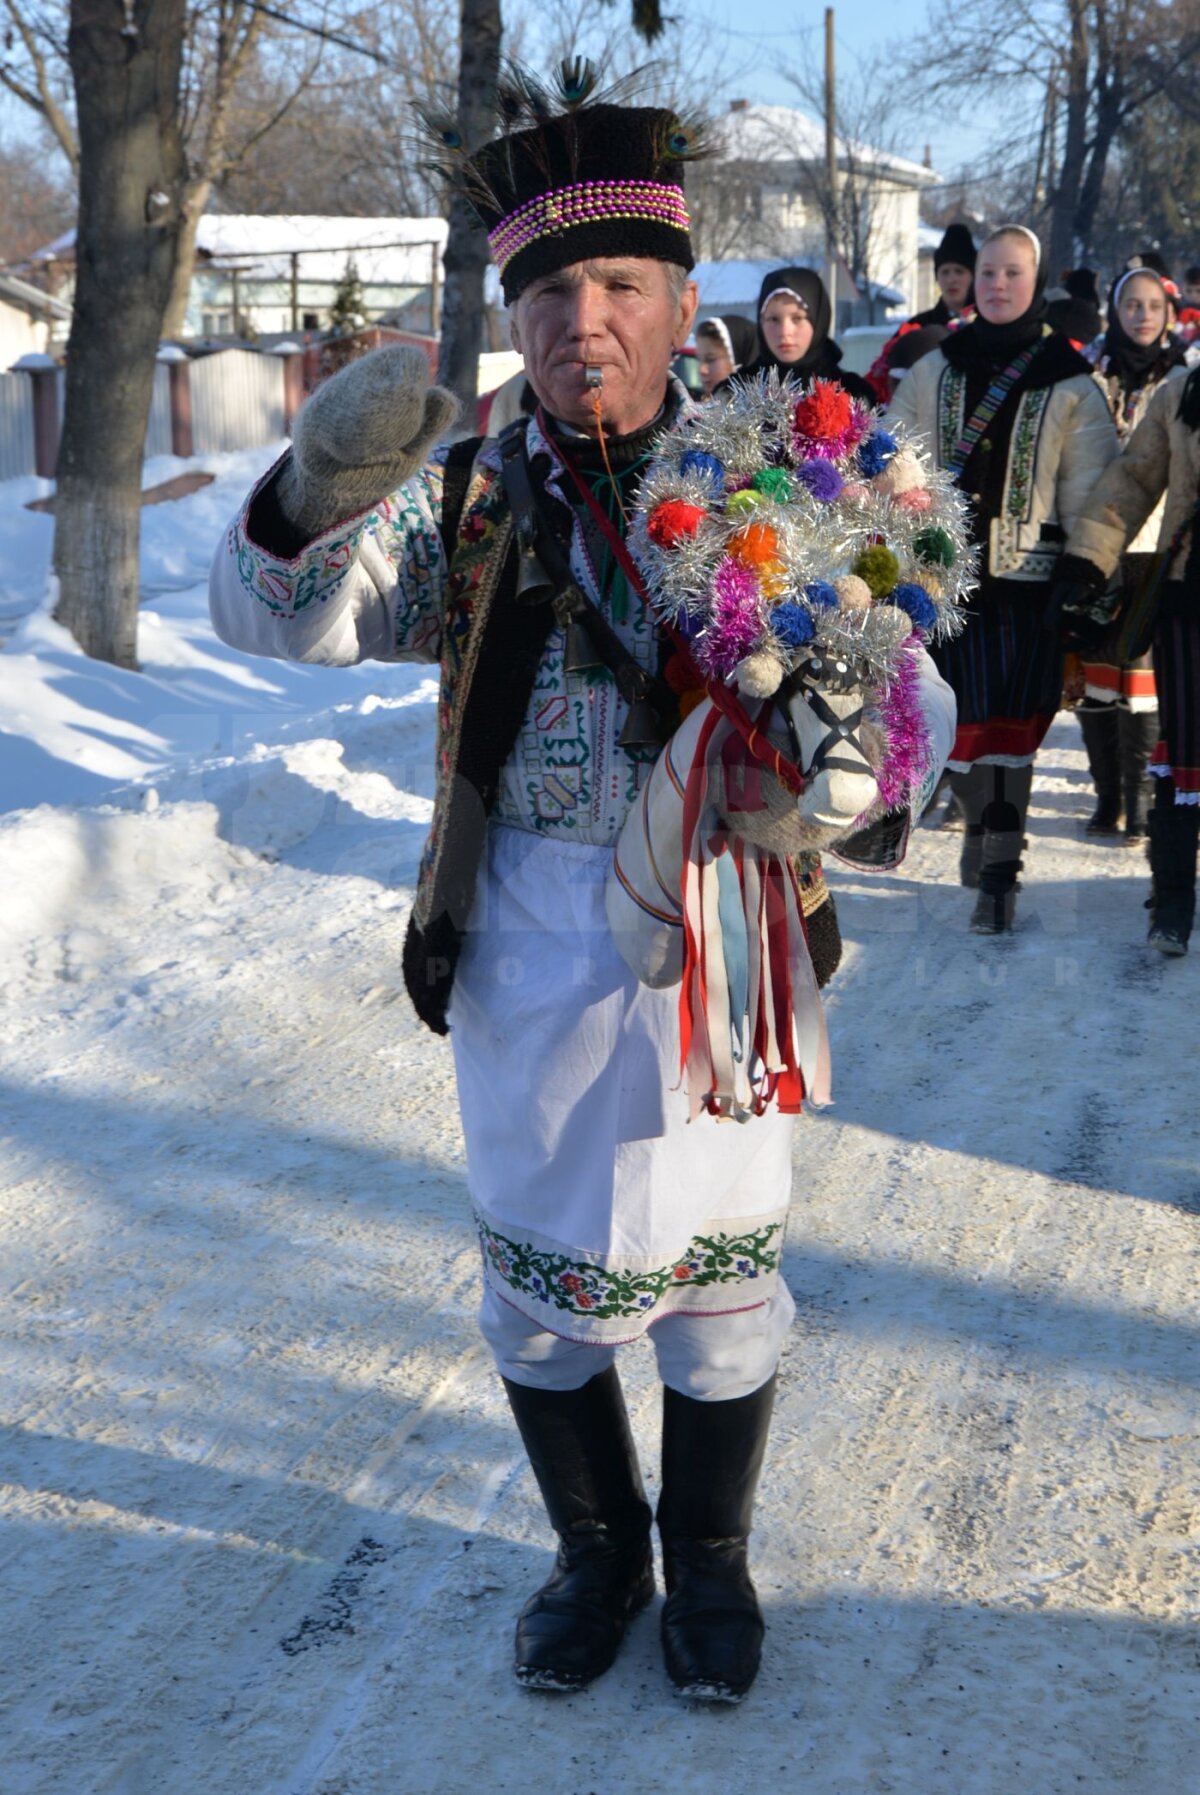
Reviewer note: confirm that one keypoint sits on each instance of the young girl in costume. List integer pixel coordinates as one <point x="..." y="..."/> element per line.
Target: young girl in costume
<point x="1161" y="462"/>
<point x="1118" y="713"/>
<point x="794" y="319"/>
<point x="722" y="345"/>
<point x="1012" y="411"/>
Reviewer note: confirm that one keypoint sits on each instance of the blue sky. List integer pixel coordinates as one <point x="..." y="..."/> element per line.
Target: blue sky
<point x="770" y="39"/>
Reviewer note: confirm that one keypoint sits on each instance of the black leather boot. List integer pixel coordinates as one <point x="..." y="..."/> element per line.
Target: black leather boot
<point x="1137" y="732"/>
<point x="1174" y="829"/>
<point x="1099" y="724"/>
<point x="712" y="1626"/>
<point x="1003" y="839"/>
<point x="583" y="1456"/>
<point x="971" y="792"/>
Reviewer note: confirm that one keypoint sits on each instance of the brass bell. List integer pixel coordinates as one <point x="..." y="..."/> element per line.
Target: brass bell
<point x="534" y="585"/>
<point x="643" y="728"/>
<point x="580" y="653"/>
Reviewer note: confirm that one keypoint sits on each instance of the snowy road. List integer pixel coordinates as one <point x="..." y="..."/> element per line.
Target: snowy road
<point x="263" y="1521"/>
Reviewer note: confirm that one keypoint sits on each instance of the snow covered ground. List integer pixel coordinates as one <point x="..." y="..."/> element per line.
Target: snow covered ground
<point x="264" y="1524"/>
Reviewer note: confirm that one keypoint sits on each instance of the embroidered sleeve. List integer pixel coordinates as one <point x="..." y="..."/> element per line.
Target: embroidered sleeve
<point x="371" y="588"/>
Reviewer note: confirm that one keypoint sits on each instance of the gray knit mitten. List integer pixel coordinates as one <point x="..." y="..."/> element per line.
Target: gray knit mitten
<point x="361" y="435"/>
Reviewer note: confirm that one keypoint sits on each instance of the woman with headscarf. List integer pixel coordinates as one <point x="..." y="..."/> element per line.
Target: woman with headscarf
<point x="1161" y="464"/>
<point x="794" y="319"/>
<point x="1011" y="410"/>
<point x="1118" y="712"/>
<point x="723" y="344"/>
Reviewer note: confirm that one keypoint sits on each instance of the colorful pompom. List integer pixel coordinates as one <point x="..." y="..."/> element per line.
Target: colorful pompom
<point x="852" y="593"/>
<point x="705" y="467"/>
<point x="820" y="592"/>
<point x="902" y="473"/>
<point x="673" y="522"/>
<point x="879" y="567"/>
<point x="759" y="675"/>
<point x="935" y="546"/>
<point x="822" y="479"/>
<point x="875" y="453"/>
<point x="793" y="625"/>
<point x="741" y="504"/>
<point x="774" y="483"/>
<point x="917" y="603"/>
<point x="917" y="499"/>
<point x="824" y="414"/>
<point x="755" y="546"/>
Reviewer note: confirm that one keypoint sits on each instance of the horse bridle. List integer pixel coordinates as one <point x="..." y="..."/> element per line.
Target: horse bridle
<point x="835" y="676"/>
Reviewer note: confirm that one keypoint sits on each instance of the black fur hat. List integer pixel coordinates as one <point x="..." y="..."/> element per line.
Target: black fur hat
<point x="957" y="245"/>
<point x="573" y="175"/>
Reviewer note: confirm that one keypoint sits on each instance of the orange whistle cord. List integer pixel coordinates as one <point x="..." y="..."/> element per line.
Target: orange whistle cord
<point x="612" y="478"/>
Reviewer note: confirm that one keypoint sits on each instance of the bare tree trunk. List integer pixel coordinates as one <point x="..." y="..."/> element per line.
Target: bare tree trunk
<point x="1066" y="193"/>
<point x="466" y="256"/>
<point x="194" y="201"/>
<point x="131" y="178"/>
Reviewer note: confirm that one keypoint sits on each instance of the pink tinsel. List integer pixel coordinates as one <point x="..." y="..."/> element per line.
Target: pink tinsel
<point x="906" y="757"/>
<point x="737" y="621"/>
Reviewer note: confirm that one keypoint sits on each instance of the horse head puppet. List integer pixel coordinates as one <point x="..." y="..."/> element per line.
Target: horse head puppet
<point x="801" y="559"/>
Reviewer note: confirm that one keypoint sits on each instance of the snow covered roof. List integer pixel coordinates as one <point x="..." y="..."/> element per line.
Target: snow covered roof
<point x="386" y="251"/>
<point x="737" y="283"/>
<point x="24" y="298"/>
<point x="783" y="134"/>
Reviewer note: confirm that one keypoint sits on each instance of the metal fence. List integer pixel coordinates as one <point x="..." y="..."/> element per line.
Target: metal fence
<point x="16" y="426"/>
<point x="237" y="401"/>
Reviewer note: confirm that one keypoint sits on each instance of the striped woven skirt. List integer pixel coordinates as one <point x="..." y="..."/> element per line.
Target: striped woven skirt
<point x="1006" y="673"/>
<point x="1177" y="671"/>
<point x="1109" y="679"/>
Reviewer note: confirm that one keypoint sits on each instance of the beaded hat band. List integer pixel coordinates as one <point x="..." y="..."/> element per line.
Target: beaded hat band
<point x="589" y="203"/>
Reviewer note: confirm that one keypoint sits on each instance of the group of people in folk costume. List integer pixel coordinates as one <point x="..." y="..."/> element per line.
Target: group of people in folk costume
<point x="1025" y="395"/>
<point x="611" y="1197"/>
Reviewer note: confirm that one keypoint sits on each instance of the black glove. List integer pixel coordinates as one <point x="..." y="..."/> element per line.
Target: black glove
<point x="1076" y="605"/>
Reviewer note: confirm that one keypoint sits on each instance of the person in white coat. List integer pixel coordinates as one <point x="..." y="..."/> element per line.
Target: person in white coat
<point x="1013" y="411"/>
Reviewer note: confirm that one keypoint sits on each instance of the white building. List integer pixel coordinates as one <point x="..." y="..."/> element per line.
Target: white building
<point x="759" y="198"/>
<point x="31" y="322"/>
<point x="279" y="274"/>
<point x="282" y="273"/>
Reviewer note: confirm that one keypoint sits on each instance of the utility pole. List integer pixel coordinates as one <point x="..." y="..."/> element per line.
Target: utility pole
<point x="831" y="169"/>
<point x="295" y="291"/>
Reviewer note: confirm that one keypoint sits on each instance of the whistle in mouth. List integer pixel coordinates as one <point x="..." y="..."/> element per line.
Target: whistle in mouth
<point x="593" y="376"/>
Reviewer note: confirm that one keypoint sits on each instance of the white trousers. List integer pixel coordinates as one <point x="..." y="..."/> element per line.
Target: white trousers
<point x="712" y="1358"/>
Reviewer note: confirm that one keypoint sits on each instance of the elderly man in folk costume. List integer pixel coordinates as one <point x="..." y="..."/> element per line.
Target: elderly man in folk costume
<point x="607" y="1207"/>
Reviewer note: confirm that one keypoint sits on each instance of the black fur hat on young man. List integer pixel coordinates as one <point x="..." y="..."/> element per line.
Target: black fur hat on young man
<point x="957" y="245"/>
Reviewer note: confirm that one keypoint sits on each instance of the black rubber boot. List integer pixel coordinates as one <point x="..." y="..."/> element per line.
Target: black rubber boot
<point x="971" y="791"/>
<point x="1137" y="732"/>
<point x="712" y="1626"/>
<point x="583" y="1456"/>
<point x="1174" y="829"/>
<point x="1003" y="839"/>
<point x="1100" y="727"/>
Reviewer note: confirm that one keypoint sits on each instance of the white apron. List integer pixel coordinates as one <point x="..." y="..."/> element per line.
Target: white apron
<point x="600" y="1208"/>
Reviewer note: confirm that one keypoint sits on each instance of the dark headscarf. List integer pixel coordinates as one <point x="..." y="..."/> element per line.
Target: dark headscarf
<point x="1136" y="363"/>
<point x="809" y="289"/>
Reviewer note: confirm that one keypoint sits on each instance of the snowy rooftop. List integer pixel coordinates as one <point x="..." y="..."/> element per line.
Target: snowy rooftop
<point x="784" y="134"/>
<point x="385" y="250"/>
